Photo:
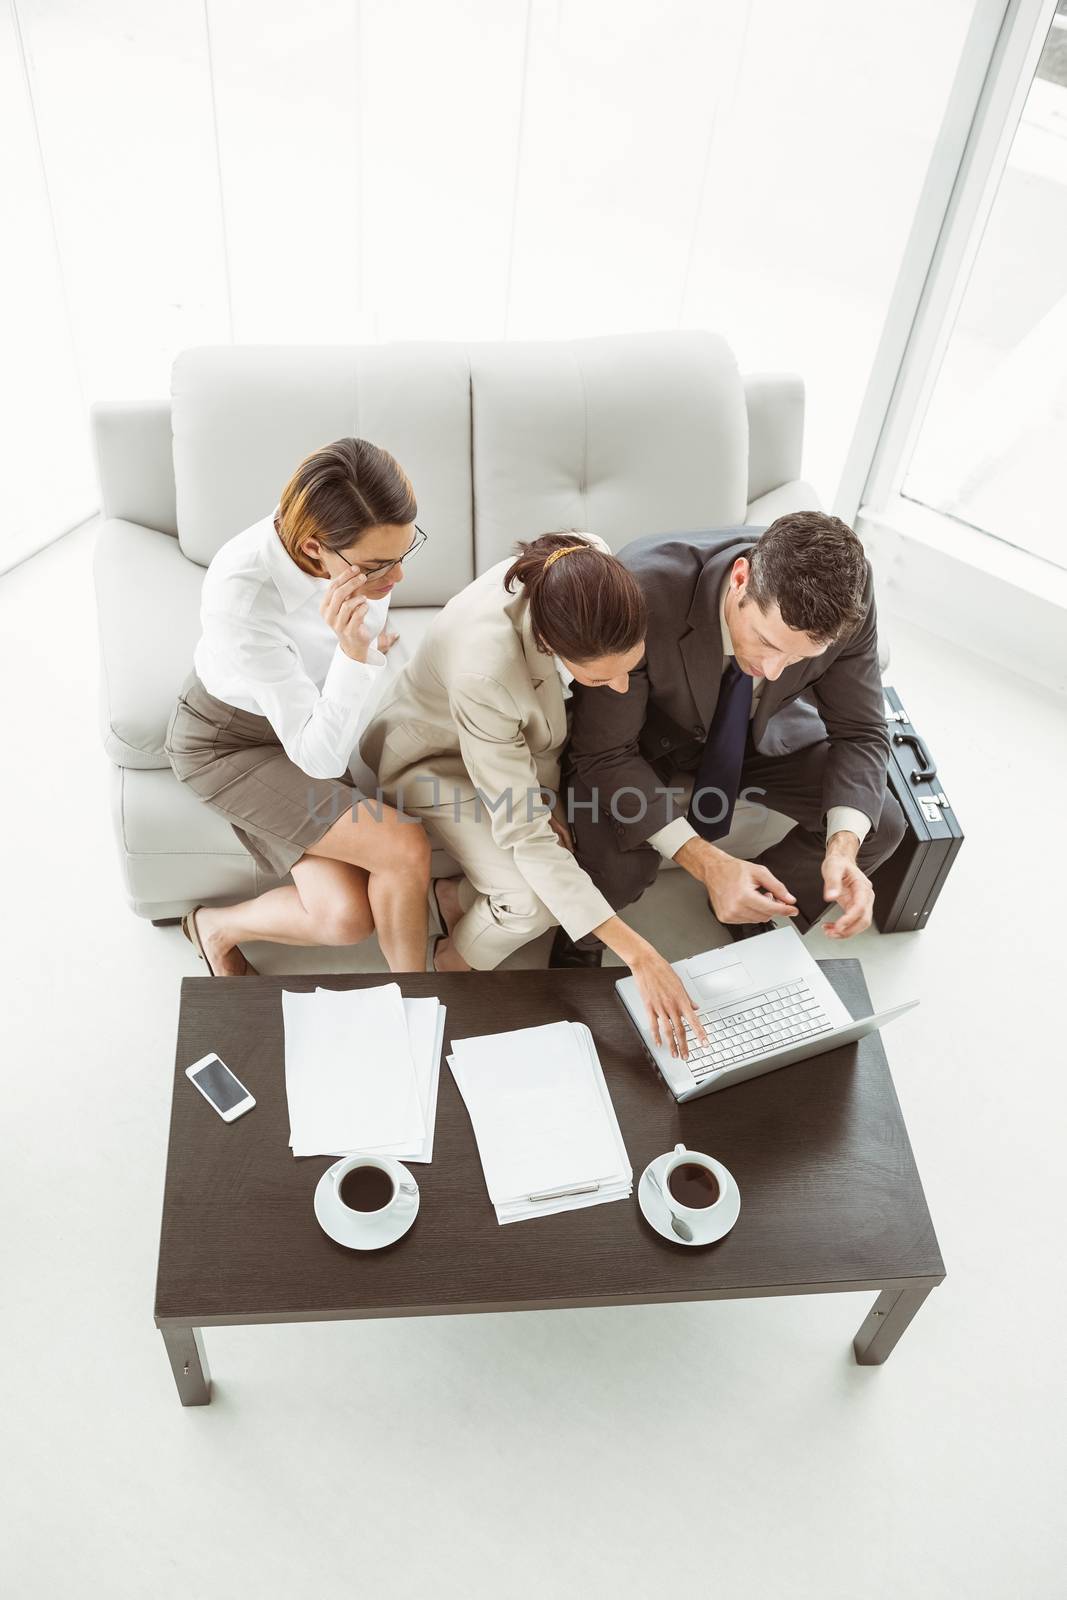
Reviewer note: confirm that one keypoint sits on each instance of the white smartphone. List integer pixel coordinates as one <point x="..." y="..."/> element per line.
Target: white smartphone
<point x="219" y="1087"/>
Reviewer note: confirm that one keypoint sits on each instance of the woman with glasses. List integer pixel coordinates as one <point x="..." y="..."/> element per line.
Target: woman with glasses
<point x="289" y="662"/>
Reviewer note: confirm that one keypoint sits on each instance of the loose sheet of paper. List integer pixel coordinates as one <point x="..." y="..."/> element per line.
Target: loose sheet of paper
<point x="426" y="1034"/>
<point x="349" y="1074"/>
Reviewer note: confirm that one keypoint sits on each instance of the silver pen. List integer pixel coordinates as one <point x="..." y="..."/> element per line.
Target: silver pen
<point x="559" y="1194"/>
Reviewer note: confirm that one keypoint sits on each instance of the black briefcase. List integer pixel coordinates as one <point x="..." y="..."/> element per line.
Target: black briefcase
<point x="906" y="886"/>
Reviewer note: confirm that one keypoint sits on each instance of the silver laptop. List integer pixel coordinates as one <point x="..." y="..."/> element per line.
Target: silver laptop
<point x="764" y="1004"/>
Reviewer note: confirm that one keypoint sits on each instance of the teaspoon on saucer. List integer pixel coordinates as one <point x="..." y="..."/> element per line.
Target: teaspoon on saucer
<point x="682" y="1229"/>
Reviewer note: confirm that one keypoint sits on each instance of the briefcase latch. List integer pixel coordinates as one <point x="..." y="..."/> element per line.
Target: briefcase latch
<point x="930" y="806"/>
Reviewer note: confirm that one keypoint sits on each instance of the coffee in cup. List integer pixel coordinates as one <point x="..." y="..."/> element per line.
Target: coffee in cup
<point x="694" y="1185"/>
<point x="367" y="1188"/>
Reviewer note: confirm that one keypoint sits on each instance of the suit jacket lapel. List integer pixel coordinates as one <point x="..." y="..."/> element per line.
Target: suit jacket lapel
<point x="772" y="697"/>
<point x="544" y="679"/>
<point x="701" y="643"/>
<point x="701" y="652"/>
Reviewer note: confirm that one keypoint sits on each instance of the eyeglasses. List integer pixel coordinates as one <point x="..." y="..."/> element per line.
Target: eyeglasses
<point x="378" y="569"/>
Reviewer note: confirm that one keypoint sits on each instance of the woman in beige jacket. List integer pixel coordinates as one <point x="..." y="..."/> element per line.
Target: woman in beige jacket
<point x="469" y="739"/>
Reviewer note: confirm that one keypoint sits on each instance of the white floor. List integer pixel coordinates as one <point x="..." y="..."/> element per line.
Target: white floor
<point x="731" y="1447"/>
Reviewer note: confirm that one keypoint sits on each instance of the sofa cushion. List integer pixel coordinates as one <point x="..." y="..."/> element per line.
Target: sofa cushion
<point x="622" y="436"/>
<point x="177" y="852"/>
<point x="244" y="417"/>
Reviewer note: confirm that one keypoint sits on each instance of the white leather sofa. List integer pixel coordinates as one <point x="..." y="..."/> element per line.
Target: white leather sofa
<point x="624" y="436"/>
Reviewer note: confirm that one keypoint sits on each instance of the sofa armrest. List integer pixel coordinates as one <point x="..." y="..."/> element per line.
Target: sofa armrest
<point x="796" y="496"/>
<point x="148" y="614"/>
<point x="775" y="404"/>
<point x="135" y="463"/>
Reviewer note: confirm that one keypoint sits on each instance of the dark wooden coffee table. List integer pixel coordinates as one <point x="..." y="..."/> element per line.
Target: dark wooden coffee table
<point x="830" y="1196"/>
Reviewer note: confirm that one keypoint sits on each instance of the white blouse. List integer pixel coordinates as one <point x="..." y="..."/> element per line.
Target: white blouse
<point x="265" y="648"/>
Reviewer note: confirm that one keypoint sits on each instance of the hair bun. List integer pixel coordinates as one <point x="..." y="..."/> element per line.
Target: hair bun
<point x="588" y="609"/>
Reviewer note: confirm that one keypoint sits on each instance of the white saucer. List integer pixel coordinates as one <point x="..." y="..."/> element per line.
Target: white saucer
<point x="365" y="1231"/>
<point x="723" y="1215"/>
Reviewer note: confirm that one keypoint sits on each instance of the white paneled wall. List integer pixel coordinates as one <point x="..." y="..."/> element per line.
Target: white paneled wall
<point x="619" y="102"/>
<point x="123" y="99"/>
<point x="194" y="171"/>
<point x="44" y="451"/>
<point x="442" y="94"/>
<point x="287" y="96"/>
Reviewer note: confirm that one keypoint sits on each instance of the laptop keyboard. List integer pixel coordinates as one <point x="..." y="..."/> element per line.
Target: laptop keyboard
<point x="772" y="1020"/>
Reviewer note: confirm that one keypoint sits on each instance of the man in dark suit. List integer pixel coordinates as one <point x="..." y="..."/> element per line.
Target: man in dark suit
<point x="760" y="676"/>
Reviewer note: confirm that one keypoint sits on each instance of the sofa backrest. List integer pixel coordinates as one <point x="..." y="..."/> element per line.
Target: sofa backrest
<point x="622" y="436"/>
<point x="243" y="417"/>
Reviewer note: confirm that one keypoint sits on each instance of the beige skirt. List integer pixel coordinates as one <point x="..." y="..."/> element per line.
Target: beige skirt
<point x="234" y="761"/>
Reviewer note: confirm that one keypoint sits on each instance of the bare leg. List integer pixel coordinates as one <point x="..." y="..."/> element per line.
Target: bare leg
<point x="327" y="904"/>
<point x="446" y="958"/>
<point x="396" y="855"/>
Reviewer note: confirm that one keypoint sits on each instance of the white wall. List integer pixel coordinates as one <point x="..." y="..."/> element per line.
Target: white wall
<point x="194" y="171"/>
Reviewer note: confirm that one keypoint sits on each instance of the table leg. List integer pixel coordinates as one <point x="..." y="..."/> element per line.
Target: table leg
<point x="885" y="1323"/>
<point x="185" y="1347"/>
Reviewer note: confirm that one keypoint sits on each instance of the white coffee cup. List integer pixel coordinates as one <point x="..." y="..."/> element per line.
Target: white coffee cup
<point x="694" y="1223"/>
<point x="368" y="1213"/>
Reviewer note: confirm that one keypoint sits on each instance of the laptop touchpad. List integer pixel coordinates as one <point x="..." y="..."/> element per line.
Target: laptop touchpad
<point x="720" y="982"/>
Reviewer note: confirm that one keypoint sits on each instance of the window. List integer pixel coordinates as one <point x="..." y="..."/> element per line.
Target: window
<point x="991" y="448"/>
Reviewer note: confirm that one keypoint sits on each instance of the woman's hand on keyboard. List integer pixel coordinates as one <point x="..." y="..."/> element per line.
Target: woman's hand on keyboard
<point x="668" y="1003"/>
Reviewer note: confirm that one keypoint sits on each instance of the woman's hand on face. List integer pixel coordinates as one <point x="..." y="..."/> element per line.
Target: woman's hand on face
<point x="344" y="608"/>
<point x="668" y="1003"/>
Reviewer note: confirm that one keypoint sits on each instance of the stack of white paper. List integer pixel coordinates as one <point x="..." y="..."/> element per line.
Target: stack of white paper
<point x="545" y="1125"/>
<point x="361" y="1071"/>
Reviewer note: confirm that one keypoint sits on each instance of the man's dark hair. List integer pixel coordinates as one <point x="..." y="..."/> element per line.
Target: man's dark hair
<point x="814" y="567"/>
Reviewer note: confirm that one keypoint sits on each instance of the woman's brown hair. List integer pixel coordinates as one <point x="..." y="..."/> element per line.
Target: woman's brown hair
<point x="338" y="493"/>
<point x="584" y="604"/>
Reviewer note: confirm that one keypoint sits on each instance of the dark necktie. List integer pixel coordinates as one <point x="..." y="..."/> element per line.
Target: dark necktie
<point x="719" y="773"/>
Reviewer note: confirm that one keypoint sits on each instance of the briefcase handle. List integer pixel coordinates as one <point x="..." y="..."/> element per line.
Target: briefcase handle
<point x="927" y="768"/>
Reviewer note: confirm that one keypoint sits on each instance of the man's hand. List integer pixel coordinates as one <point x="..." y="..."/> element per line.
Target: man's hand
<point x="845" y="883"/>
<point x="386" y="642"/>
<point x="739" y="891"/>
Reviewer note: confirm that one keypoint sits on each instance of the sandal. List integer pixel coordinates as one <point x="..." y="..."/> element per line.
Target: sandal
<point x="441" y="922"/>
<point x="192" y="933"/>
<point x="436" y="904"/>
